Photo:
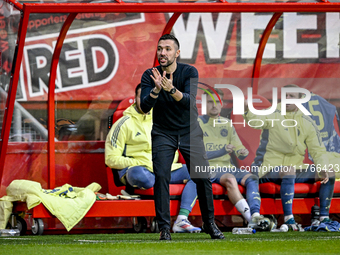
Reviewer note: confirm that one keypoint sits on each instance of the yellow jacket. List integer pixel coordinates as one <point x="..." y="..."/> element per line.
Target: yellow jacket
<point x="128" y="142"/>
<point x="284" y="143"/>
<point x="217" y="133"/>
<point x="69" y="204"/>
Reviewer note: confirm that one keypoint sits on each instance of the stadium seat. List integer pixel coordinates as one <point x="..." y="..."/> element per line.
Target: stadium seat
<point x="114" y="187"/>
<point x="125" y="103"/>
<point x="249" y="137"/>
<point x="336" y="189"/>
<point x="302" y="190"/>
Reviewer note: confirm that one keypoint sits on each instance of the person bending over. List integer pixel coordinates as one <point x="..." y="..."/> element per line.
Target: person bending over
<point x="170" y="90"/>
<point x="128" y="151"/>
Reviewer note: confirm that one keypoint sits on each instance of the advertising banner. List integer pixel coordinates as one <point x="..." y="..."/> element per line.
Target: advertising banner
<point x="105" y="54"/>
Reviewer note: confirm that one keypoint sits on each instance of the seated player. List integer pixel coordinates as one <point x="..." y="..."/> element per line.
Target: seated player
<point x="221" y="139"/>
<point x="324" y="114"/>
<point x="280" y="156"/>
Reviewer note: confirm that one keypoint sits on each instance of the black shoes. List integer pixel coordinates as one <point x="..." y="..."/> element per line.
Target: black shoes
<point x="213" y="231"/>
<point x="165" y="234"/>
<point x="209" y="228"/>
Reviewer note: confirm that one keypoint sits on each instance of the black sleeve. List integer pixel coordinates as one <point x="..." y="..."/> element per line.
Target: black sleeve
<point x="190" y="87"/>
<point x="147" y="102"/>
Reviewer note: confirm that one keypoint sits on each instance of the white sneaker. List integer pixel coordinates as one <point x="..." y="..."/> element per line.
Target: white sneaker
<point x="261" y="223"/>
<point x="184" y="226"/>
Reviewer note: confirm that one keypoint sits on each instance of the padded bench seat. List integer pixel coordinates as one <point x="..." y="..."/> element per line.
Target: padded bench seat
<point x="336" y="189"/>
<point x="302" y="190"/>
<point x="267" y="190"/>
<point x="174" y="189"/>
<point x="219" y="191"/>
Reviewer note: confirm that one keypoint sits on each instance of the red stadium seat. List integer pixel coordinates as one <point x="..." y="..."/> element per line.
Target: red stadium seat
<point x="114" y="183"/>
<point x="250" y="137"/>
<point x="336" y="189"/>
<point x="122" y="106"/>
<point x="302" y="190"/>
<point x="125" y="103"/>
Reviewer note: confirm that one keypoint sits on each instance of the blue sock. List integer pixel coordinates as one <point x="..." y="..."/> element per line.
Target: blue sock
<point x="189" y="196"/>
<point x="325" y="195"/>
<point x="287" y="193"/>
<point x="252" y="194"/>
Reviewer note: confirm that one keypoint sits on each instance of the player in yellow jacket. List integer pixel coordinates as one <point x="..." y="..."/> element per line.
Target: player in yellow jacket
<point x="128" y="151"/>
<point x="220" y="140"/>
<point x="279" y="158"/>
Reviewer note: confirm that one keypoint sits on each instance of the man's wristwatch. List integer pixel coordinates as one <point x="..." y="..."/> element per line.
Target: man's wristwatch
<point x="153" y="92"/>
<point x="172" y="91"/>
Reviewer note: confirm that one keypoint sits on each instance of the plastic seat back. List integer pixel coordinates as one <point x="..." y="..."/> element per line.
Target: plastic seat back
<point x="114" y="184"/>
<point x="122" y="106"/>
<point x="250" y="137"/>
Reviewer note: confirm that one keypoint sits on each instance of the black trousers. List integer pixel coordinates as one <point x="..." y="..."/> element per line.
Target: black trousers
<point x="191" y="147"/>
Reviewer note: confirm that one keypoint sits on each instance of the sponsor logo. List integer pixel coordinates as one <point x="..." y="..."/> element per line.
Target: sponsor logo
<point x="290" y="201"/>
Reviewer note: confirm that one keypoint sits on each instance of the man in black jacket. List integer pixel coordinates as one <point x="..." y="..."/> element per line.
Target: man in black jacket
<point x="170" y="89"/>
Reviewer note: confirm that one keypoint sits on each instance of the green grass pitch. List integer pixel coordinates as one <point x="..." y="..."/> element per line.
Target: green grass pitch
<point x="259" y="243"/>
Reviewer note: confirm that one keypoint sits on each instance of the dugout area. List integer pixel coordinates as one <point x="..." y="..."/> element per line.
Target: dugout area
<point x="56" y="66"/>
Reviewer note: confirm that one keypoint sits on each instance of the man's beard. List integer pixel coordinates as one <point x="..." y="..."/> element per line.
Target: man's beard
<point x="165" y="66"/>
